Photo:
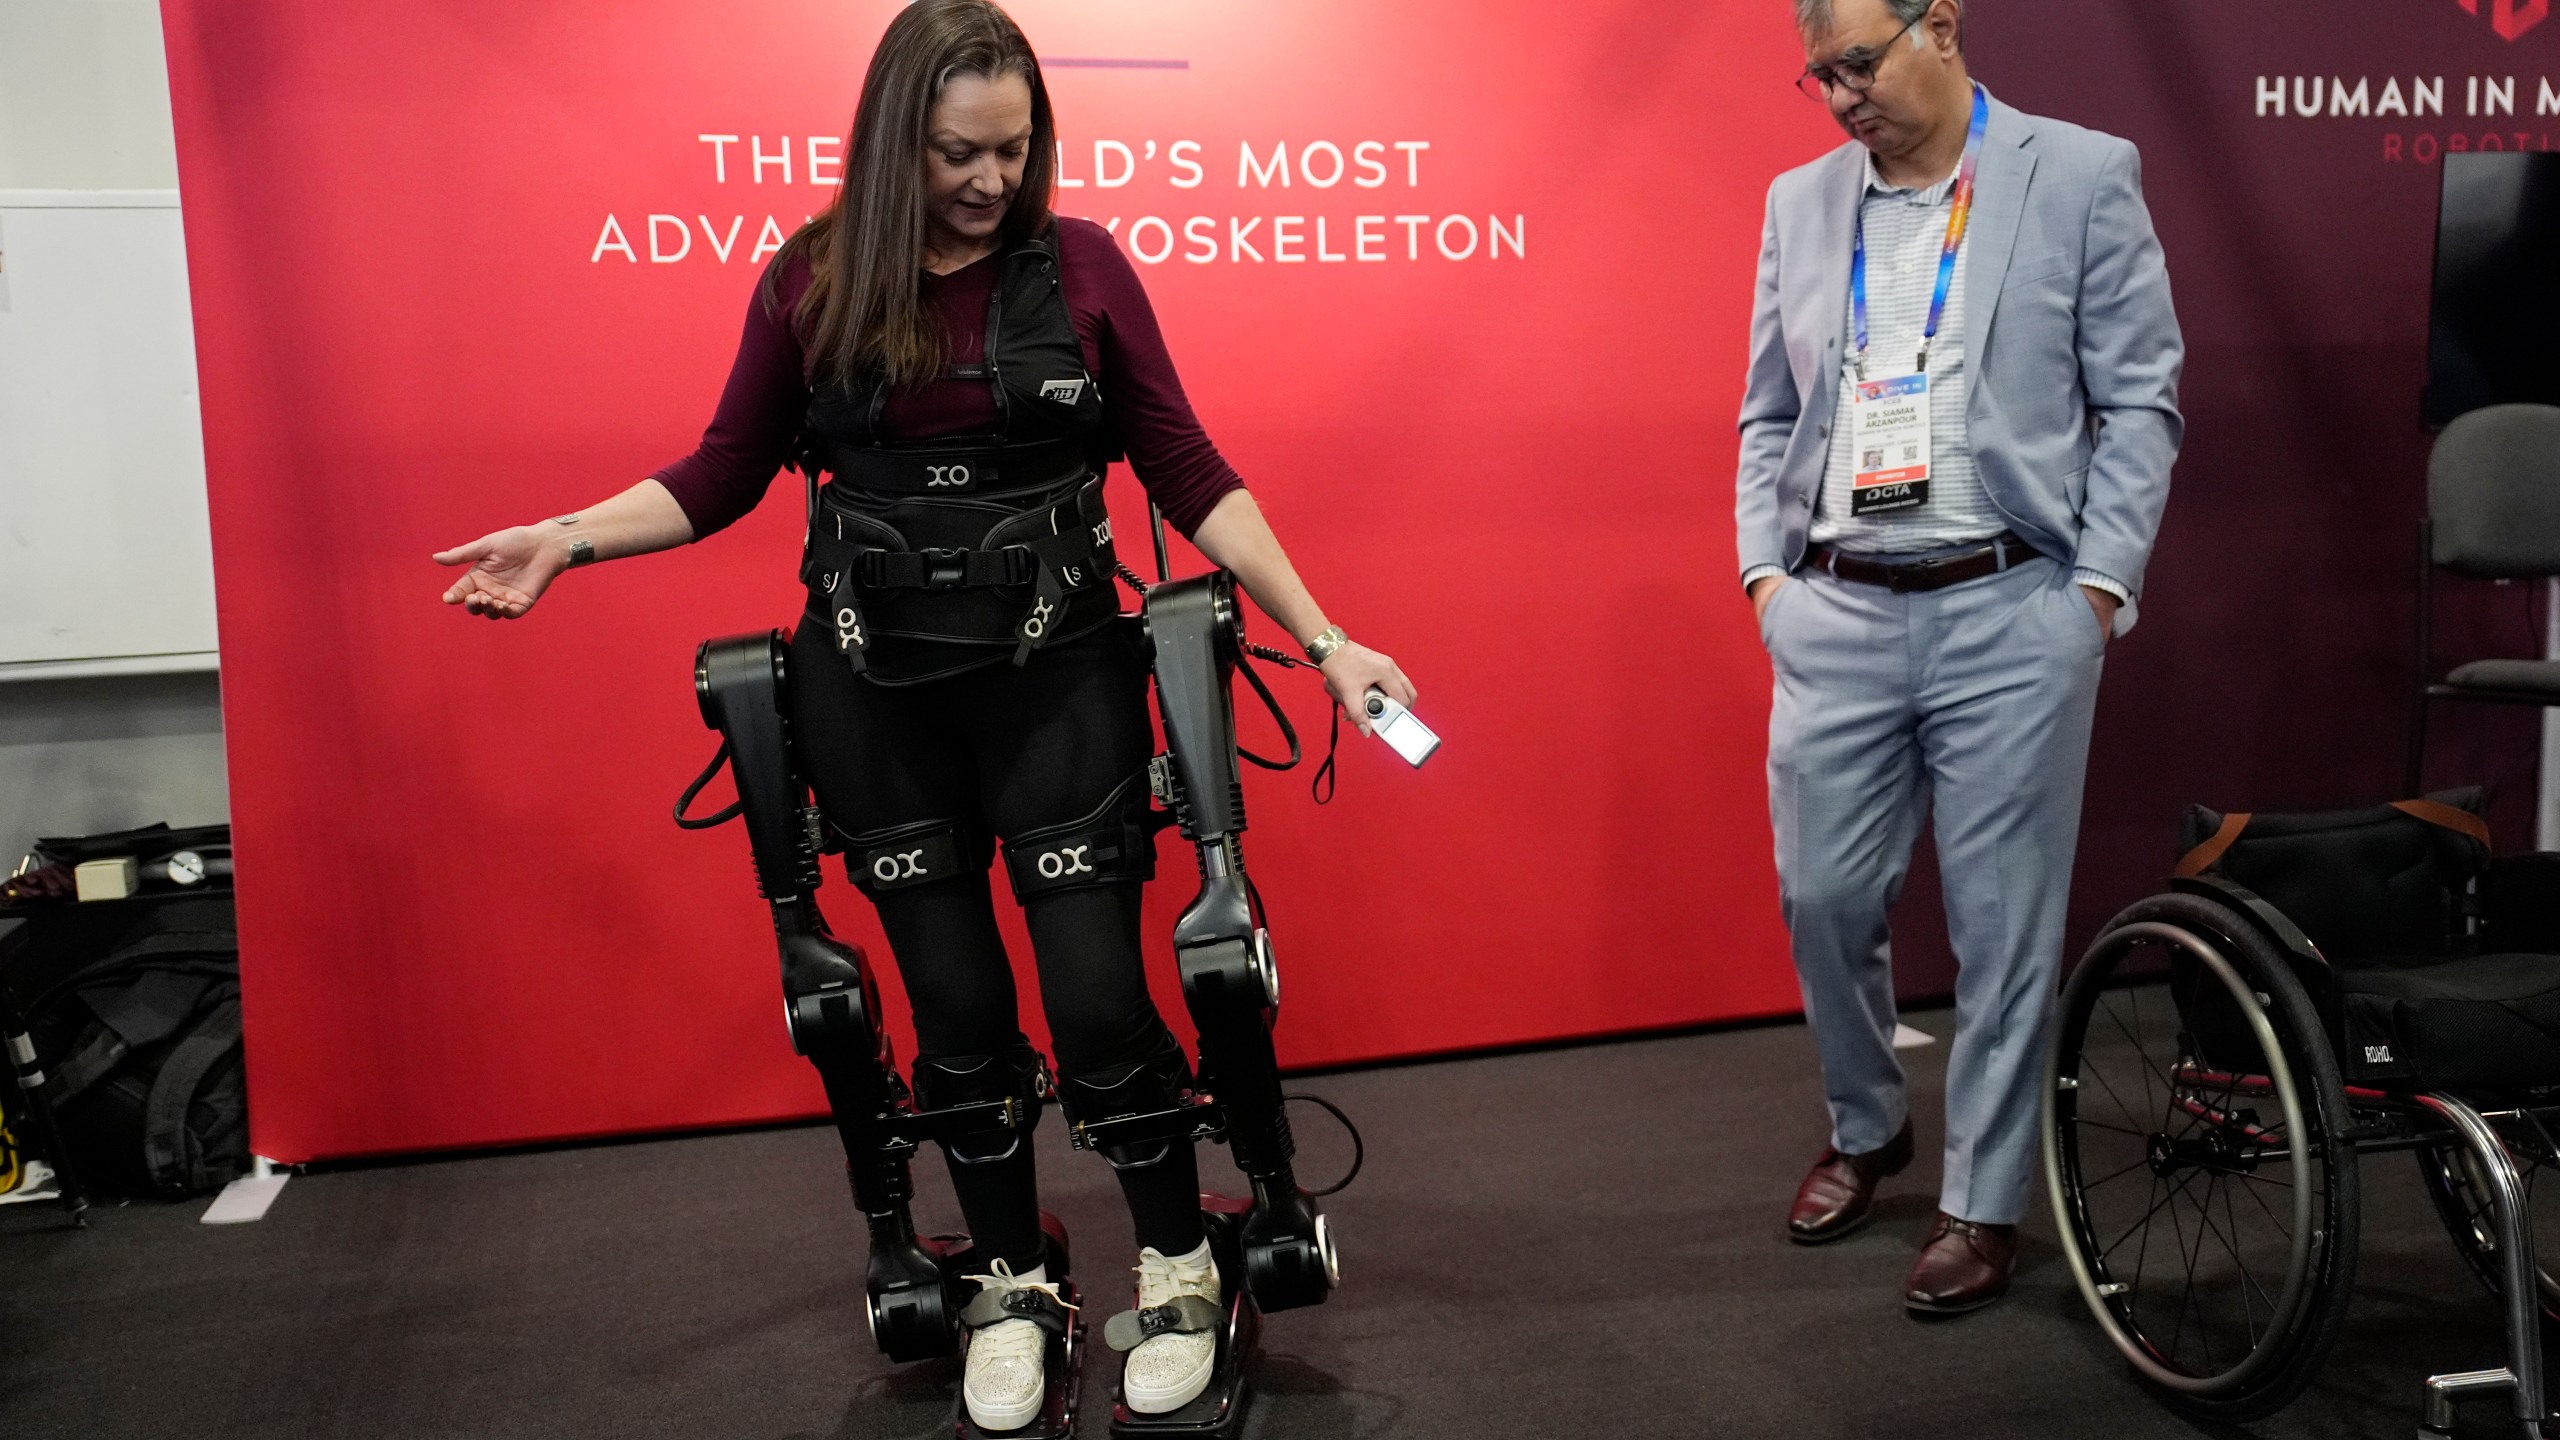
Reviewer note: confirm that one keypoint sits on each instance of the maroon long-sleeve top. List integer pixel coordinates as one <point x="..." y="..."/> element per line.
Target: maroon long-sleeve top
<point x="767" y="396"/>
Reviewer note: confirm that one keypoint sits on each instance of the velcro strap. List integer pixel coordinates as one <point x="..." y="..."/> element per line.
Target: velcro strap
<point x="1075" y="557"/>
<point x="905" y="858"/>
<point x="1101" y="855"/>
<point x="1182" y="1315"/>
<point x="993" y="1307"/>
<point x="1048" y="599"/>
<point x="1071" y="554"/>
<point x="1112" y="844"/>
<point x="835" y="598"/>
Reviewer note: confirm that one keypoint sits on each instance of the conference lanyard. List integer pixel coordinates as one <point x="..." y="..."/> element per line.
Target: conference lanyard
<point x="1959" y="215"/>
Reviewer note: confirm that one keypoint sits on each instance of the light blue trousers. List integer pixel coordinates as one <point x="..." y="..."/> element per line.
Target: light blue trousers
<point x="1973" y="702"/>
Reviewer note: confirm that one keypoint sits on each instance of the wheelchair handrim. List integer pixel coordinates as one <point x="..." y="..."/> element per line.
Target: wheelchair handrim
<point x="2072" y="1220"/>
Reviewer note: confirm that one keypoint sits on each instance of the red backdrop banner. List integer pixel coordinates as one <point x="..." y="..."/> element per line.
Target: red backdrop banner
<point x="1465" y="303"/>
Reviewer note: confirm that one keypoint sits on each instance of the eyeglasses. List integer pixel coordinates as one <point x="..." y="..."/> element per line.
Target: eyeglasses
<point x="1856" y="76"/>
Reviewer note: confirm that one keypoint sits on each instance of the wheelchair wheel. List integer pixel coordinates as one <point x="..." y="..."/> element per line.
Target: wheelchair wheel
<point x="2196" y="1155"/>
<point x="2461" y="1195"/>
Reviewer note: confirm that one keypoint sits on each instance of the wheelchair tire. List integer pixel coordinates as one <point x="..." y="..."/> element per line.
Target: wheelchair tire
<point x="2461" y="1203"/>
<point x="2244" y="1228"/>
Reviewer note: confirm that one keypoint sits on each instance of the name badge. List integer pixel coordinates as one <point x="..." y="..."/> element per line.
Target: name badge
<point x="1888" y="444"/>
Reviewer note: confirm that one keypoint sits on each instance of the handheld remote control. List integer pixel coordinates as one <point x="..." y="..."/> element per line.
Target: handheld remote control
<point x="1397" y="726"/>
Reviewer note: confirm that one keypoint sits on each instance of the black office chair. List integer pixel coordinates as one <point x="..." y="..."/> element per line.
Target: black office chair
<point x="2493" y="513"/>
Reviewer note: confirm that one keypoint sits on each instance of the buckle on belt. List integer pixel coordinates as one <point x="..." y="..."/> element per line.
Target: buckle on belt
<point x="944" y="569"/>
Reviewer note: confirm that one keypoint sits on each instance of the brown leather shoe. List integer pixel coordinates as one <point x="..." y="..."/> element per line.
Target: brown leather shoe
<point x="1840" y="1189"/>
<point x="1965" y="1266"/>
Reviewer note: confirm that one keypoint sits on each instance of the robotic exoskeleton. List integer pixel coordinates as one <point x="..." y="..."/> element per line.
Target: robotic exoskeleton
<point x="1229" y="982"/>
<point x="832" y="1010"/>
<point x="1276" y="1251"/>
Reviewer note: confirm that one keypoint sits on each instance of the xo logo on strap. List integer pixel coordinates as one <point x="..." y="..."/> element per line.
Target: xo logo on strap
<point x="849" y="630"/>
<point x="889" y="869"/>
<point x="1038" y="624"/>
<point x="1059" y="864"/>
<point x="950" y="476"/>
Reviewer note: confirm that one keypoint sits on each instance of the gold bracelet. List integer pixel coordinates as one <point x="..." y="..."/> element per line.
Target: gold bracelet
<point x="1327" y="640"/>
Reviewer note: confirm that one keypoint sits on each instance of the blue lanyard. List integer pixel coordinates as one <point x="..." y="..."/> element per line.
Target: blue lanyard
<point x="1959" y="217"/>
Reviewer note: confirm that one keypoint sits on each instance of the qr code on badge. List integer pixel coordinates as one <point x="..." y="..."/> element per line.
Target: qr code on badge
<point x="1874" y="460"/>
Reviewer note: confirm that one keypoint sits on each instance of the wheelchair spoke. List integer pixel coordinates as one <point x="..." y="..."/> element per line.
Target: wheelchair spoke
<point x="2248" y="1281"/>
<point x="2230" y="1245"/>
<point x="2159" y="1203"/>
<point x="2107" y="1085"/>
<point x="2186" y="1297"/>
<point x="2119" y="1173"/>
<point x="2281" y="1228"/>
<point x="2142" y="1052"/>
<point x="2154" y="1103"/>
<point x="2141" y="1255"/>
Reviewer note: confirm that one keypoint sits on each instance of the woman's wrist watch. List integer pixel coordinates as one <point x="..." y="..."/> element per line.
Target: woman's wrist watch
<point x="1327" y="640"/>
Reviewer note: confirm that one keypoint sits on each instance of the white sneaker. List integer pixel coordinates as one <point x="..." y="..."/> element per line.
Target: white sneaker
<point x="1002" y="1382"/>
<point x="1168" y="1370"/>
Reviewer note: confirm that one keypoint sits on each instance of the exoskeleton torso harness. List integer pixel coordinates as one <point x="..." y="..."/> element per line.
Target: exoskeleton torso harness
<point x="930" y="557"/>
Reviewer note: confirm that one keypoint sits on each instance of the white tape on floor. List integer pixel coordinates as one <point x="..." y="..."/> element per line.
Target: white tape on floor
<point x="1906" y="1038"/>
<point x="245" y="1199"/>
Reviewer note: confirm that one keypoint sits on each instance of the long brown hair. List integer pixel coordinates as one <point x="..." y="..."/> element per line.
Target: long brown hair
<point x="864" y="310"/>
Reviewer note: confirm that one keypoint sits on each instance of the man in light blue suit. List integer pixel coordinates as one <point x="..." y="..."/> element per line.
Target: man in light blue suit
<point x="1956" y="441"/>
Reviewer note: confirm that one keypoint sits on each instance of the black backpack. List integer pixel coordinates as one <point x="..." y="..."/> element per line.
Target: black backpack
<point x="135" y="1018"/>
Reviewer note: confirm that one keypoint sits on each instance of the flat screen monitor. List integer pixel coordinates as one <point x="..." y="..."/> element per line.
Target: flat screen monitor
<point x="2493" y="333"/>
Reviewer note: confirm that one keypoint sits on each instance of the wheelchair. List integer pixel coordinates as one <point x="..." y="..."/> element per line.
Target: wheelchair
<point x="2311" y="989"/>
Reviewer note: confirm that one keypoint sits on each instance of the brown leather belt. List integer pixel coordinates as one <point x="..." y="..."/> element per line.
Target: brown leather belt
<point x="1991" y="557"/>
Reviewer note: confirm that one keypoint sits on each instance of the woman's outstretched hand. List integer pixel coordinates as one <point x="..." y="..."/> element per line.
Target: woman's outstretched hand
<point x="509" y="570"/>
<point x="1350" y="671"/>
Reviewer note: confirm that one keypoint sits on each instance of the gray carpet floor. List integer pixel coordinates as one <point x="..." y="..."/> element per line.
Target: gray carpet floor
<point x="1563" y="1243"/>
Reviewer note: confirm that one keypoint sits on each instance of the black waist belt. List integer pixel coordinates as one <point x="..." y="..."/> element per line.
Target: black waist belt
<point x="1069" y="556"/>
<point x="944" y="569"/>
<point x="1991" y="557"/>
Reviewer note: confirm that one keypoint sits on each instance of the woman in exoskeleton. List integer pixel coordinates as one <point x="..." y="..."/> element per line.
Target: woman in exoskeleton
<point x="964" y="364"/>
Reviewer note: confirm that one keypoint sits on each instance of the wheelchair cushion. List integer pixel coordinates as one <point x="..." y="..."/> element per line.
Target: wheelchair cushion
<point x="2370" y="887"/>
<point x="2488" y="1022"/>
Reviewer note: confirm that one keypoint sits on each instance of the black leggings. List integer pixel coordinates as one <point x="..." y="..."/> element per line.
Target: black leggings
<point x="1005" y="750"/>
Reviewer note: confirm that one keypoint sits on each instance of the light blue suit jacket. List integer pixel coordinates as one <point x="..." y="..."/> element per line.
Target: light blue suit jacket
<point x="2072" y="349"/>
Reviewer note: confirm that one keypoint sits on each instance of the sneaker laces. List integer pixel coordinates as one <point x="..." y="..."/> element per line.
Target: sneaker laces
<point x="1012" y="1339"/>
<point x="1160" y="1280"/>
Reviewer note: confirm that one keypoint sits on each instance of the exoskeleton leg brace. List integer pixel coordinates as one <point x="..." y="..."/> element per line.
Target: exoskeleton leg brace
<point x="1229" y="983"/>
<point x="833" y="1010"/>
